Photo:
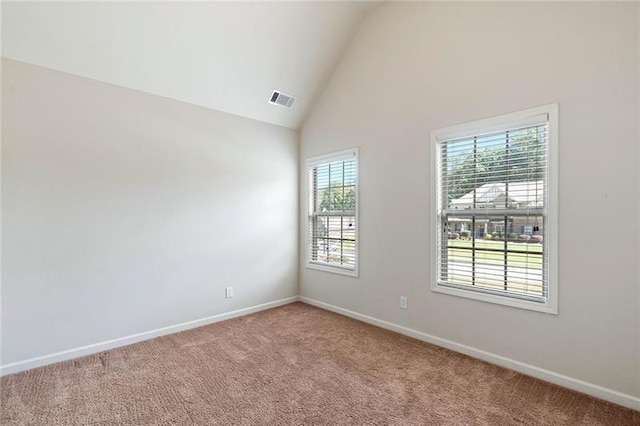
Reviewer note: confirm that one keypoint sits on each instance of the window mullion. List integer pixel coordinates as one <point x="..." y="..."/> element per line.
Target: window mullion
<point x="344" y="171"/>
<point x="314" y="222"/>
<point x="473" y="219"/>
<point x="506" y="254"/>
<point x="506" y="223"/>
<point x="442" y="225"/>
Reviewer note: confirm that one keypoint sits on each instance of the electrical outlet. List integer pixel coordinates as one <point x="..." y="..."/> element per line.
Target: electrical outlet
<point x="228" y="293"/>
<point x="403" y="302"/>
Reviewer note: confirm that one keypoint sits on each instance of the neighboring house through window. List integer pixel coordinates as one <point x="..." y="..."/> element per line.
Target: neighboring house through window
<point x="495" y="209"/>
<point x="332" y="205"/>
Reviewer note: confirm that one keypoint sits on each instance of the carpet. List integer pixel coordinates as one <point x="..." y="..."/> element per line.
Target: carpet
<point x="293" y="365"/>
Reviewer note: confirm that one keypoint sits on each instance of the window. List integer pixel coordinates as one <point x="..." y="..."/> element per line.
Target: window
<point x="495" y="201"/>
<point x="332" y="228"/>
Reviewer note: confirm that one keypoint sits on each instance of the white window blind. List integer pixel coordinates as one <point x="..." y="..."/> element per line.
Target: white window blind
<point x="492" y="200"/>
<point x="332" y="215"/>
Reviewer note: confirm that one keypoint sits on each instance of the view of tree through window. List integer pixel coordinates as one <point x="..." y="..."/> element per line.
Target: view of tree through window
<point x="491" y="161"/>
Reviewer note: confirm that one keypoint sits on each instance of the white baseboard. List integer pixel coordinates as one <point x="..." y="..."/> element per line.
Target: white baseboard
<point x="40" y="361"/>
<point x="600" y="392"/>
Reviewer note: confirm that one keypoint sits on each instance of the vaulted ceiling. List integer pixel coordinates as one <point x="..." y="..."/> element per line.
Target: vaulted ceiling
<point x="225" y="56"/>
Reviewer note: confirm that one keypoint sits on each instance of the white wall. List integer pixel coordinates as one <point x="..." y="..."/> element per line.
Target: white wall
<point x="638" y="142"/>
<point x="125" y="212"/>
<point x="414" y="67"/>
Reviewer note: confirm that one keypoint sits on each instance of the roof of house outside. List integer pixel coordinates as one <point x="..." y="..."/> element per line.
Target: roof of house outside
<point x="529" y="193"/>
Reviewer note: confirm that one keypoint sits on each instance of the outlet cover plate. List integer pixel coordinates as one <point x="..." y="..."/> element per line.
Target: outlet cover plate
<point x="403" y="302"/>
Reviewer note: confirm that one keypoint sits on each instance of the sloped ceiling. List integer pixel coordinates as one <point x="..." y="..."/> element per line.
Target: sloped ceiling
<point x="225" y="56"/>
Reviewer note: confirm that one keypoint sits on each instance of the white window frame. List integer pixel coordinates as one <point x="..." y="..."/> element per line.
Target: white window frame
<point x="550" y="241"/>
<point x="310" y="163"/>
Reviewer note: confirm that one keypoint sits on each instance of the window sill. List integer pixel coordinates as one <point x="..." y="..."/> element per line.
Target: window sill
<point x="335" y="269"/>
<point x="548" y="307"/>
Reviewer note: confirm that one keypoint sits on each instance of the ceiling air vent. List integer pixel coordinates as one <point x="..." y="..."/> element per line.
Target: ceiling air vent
<point x="282" y="99"/>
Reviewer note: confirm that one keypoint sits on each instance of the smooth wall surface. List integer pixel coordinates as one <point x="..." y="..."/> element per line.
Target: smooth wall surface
<point x="125" y="212"/>
<point x="415" y="67"/>
<point x="638" y="141"/>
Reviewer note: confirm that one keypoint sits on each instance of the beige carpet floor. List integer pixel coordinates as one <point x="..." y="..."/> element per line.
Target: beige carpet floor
<point x="292" y="365"/>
